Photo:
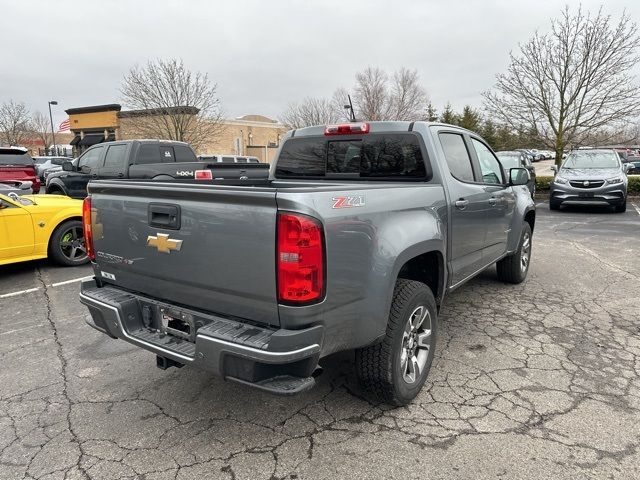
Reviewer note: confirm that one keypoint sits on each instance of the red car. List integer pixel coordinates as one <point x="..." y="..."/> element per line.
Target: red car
<point x="17" y="164"/>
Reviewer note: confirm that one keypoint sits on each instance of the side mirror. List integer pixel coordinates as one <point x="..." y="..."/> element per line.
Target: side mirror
<point x="519" y="176"/>
<point x="68" y="167"/>
<point x="554" y="168"/>
<point x="626" y="167"/>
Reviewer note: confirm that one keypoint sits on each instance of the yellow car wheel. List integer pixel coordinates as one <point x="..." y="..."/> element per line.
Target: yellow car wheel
<point x="66" y="245"/>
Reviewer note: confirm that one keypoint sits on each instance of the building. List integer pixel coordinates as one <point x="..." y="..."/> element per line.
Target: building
<point x="254" y="135"/>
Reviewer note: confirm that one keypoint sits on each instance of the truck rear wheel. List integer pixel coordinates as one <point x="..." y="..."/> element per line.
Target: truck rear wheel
<point x="514" y="268"/>
<point x="395" y="369"/>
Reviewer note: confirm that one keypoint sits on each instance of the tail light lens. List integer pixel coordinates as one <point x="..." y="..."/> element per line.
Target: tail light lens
<point x="203" y="175"/>
<point x="86" y="223"/>
<point x="301" y="275"/>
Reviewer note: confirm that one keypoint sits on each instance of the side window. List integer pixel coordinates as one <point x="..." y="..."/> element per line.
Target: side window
<point x="184" y="154"/>
<point x="228" y="160"/>
<point x="115" y="156"/>
<point x="457" y="156"/>
<point x="148" y="153"/>
<point x="489" y="165"/>
<point x="90" y="160"/>
<point x="166" y="154"/>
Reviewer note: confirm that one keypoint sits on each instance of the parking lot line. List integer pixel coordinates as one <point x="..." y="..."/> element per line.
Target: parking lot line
<point x="73" y="280"/>
<point x="636" y="207"/>
<point x="13" y="294"/>
<point x="57" y="284"/>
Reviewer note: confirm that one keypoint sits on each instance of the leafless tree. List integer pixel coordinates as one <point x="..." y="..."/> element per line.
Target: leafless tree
<point x="571" y="81"/>
<point x="379" y="96"/>
<point x="172" y="102"/>
<point x="310" y="111"/>
<point x="40" y="126"/>
<point x="371" y="94"/>
<point x="14" y="123"/>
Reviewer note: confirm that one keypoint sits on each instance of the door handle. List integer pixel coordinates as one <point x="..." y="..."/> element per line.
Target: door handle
<point x="120" y="175"/>
<point x="461" y="204"/>
<point x="493" y="201"/>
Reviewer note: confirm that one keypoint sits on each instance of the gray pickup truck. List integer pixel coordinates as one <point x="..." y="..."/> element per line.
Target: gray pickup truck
<point x="352" y="243"/>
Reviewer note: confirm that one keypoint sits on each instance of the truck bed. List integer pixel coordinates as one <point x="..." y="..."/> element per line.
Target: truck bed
<point x="227" y="232"/>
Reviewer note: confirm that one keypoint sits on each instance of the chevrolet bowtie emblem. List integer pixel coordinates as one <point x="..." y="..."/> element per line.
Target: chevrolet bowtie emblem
<point x="163" y="243"/>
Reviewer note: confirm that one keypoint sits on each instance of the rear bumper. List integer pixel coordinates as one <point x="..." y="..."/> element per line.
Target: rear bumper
<point x="277" y="360"/>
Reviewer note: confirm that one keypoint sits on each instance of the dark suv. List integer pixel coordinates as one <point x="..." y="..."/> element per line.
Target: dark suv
<point x="113" y="160"/>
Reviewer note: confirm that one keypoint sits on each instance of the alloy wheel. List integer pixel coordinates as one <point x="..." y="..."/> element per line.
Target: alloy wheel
<point x="72" y="244"/>
<point x="416" y="343"/>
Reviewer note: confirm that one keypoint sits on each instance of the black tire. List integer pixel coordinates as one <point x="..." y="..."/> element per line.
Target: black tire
<point x="514" y="268"/>
<point x="55" y="191"/>
<point x="622" y="208"/>
<point x="380" y="368"/>
<point x="554" y="205"/>
<point x="66" y="245"/>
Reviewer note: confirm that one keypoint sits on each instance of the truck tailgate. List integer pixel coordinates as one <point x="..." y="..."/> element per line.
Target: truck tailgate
<point x="208" y="248"/>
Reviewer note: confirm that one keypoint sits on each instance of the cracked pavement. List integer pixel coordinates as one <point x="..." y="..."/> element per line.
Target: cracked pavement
<point x="539" y="380"/>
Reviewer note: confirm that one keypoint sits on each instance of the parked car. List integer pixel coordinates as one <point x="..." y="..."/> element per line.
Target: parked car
<point x="228" y="159"/>
<point x="363" y="227"/>
<point x="633" y="166"/>
<point x="17" y="164"/>
<point x="143" y="160"/>
<point x="515" y="159"/>
<point x="591" y="177"/>
<point x="33" y="227"/>
<point x="45" y="163"/>
<point x="532" y="158"/>
<point x="16" y="186"/>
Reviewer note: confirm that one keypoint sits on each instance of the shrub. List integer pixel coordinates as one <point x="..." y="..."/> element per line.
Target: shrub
<point x="542" y="183"/>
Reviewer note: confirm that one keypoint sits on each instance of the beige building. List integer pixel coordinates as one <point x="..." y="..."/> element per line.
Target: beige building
<point x="253" y="135"/>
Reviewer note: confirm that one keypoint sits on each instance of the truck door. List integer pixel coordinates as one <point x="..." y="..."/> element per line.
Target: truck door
<point x="500" y="202"/>
<point x="89" y="165"/>
<point x="114" y="161"/>
<point x="468" y="209"/>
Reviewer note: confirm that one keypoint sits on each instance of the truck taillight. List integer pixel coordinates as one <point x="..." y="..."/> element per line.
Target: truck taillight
<point x="300" y="250"/>
<point x="88" y="232"/>
<point x="203" y="175"/>
<point x="347" y="128"/>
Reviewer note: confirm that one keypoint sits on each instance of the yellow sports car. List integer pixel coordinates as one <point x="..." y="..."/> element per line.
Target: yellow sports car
<point x="41" y="226"/>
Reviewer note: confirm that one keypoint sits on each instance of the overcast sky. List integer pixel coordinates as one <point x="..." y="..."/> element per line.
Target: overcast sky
<point x="264" y="54"/>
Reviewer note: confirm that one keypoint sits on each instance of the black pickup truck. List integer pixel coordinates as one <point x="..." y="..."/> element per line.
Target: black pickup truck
<point x="158" y="160"/>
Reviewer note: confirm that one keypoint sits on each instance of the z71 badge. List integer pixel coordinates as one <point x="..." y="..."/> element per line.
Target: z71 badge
<point x="348" y="202"/>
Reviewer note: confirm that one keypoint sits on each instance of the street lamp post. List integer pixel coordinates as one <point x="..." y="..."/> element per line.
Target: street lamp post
<point x="53" y="102"/>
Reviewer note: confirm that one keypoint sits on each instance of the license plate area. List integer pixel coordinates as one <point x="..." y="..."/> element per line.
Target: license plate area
<point x="586" y="195"/>
<point x="178" y="324"/>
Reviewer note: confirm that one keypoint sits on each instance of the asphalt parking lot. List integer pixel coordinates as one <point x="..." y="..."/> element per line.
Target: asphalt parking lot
<point x="539" y="380"/>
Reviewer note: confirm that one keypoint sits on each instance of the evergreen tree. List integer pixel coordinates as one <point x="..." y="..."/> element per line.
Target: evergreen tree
<point x="489" y="133"/>
<point x="432" y="114"/>
<point x="470" y="119"/>
<point x="448" y="115"/>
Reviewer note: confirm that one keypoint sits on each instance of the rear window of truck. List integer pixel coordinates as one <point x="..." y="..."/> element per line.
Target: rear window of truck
<point x="374" y="156"/>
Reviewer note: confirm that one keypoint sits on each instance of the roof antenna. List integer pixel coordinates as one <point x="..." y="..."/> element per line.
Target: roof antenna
<point x="352" y="114"/>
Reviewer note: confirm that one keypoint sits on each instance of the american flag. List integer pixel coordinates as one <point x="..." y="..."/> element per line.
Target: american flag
<point x="64" y="126"/>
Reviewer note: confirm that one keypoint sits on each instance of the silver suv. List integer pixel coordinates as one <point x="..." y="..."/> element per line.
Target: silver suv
<point x="590" y="177"/>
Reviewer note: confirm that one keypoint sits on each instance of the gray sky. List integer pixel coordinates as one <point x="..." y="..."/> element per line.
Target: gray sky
<point x="264" y="54"/>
